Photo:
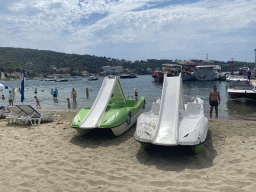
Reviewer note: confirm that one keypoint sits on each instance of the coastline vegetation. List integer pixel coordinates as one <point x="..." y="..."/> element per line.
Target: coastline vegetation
<point x="34" y="63"/>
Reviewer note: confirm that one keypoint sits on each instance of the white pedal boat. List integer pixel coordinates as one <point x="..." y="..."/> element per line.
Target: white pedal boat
<point x="170" y="122"/>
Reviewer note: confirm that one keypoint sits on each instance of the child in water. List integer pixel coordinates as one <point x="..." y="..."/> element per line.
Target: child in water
<point x="69" y="105"/>
<point x="37" y="103"/>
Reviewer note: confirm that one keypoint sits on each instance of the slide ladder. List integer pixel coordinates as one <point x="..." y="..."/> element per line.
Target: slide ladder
<point x="99" y="106"/>
<point x="167" y="128"/>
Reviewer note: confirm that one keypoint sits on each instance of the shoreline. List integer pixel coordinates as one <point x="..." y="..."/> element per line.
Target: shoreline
<point x="54" y="157"/>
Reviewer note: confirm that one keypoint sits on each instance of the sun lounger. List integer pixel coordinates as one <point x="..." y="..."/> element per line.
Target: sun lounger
<point x="16" y="113"/>
<point x="3" y="111"/>
<point x="35" y="117"/>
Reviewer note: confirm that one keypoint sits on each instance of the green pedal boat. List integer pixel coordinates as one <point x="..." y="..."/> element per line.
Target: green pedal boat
<point x="110" y="110"/>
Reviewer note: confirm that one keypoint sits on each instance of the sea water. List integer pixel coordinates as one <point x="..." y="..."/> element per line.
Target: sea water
<point x="145" y="85"/>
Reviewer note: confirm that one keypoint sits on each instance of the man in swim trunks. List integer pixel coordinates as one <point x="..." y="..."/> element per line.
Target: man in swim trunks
<point x="214" y="100"/>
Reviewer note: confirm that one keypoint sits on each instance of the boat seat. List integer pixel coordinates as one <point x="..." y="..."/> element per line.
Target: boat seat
<point x="130" y="103"/>
<point x="155" y="108"/>
<point x="193" y="109"/>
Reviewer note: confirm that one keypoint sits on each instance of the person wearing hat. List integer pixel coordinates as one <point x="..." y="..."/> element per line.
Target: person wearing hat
<point x="214" y="100"/>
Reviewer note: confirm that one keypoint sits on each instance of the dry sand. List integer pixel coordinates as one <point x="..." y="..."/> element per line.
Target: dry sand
<point x="54" y="158"/>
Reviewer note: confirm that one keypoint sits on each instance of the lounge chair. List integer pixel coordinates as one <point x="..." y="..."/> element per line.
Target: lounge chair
<point x="16" y="113"/>
<point x="3" y="111"/>
<point x="35" y="117"/>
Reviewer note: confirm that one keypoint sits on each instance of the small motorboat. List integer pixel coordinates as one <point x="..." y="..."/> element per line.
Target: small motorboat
<point x="170" y="122"/>
<point x="61" y="80"/>
<point x="128" y="76"/>
<point x="241" y="91"/>
<point x="232" y="78"/>
<point x="51" y="79"/>
<point x="110" y="110"/>
<point x="93" y="78"/>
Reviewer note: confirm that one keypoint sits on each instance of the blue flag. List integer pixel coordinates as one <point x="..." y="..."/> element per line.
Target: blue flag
<point x="22" y="90"/>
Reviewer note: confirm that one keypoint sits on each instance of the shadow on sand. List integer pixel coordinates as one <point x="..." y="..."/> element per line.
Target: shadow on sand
<point x="178" y="158"/>
<point x="102" y="138"/>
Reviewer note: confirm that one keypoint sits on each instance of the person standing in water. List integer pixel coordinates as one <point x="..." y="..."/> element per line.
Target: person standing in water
<point x="69" y="105"/>
<point x="87" y="93"/>
<point x="214" y="100"/>
<point x="55" y="93"/>
<point x="11" y="98"/>
<point x="136" y="94"/>
<point x="13" y="93"/>
<point x="73" y="95"/>
<point x="249" y="75"/>
<point x="38" y="106"/>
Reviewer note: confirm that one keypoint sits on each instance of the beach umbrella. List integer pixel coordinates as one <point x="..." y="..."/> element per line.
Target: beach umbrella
<point x="3" y="85"/>
<point x="22" y="90"/>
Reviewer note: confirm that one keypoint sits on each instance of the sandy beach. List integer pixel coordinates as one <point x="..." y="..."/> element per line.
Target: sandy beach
<point x="53" y="157"/>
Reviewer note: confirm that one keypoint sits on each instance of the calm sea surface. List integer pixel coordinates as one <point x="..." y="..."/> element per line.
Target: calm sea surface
<point x="145" y="85"/>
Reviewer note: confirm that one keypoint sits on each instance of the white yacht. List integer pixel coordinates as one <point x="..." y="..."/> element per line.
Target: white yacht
<point x="207" y="72"/>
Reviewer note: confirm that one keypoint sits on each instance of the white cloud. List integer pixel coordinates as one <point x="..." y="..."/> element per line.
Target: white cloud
<point x="91" y="26"/>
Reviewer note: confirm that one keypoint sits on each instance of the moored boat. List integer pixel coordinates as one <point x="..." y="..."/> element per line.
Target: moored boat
<point x="128" y="76"/>
<point x="232" y="78"/>
<point x="93" y="78"/>
<point x="51" y="79"/>
<point x="207" y="72"/>
<point x="61" y="80"/>
<point x="241" y="91"/>
<point x="169" y="69"/>
<point x="188" y="76"/>
<point x="158" y="76"/>
<point x="187" y="71"/>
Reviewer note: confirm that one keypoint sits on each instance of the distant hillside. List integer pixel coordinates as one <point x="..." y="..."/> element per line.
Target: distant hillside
<point x="35" y="62"/>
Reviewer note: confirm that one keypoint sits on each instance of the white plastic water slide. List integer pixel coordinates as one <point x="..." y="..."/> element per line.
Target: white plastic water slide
<point x="97" y="111"/>
<point x="167" y="128"/>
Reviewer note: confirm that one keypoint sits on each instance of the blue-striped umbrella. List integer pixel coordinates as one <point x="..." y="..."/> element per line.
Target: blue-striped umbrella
<point x="3" y="85"/>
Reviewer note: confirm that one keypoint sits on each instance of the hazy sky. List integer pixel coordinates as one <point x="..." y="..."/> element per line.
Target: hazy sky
<point x="133" y="29"/>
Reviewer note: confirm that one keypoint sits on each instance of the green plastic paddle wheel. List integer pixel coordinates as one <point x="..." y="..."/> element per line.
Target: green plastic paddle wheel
<point x="146" y="146"/>
<point x="197" y="148"/>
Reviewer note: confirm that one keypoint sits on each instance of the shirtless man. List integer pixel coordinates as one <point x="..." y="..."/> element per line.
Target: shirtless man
<point x="214" y="100"/>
